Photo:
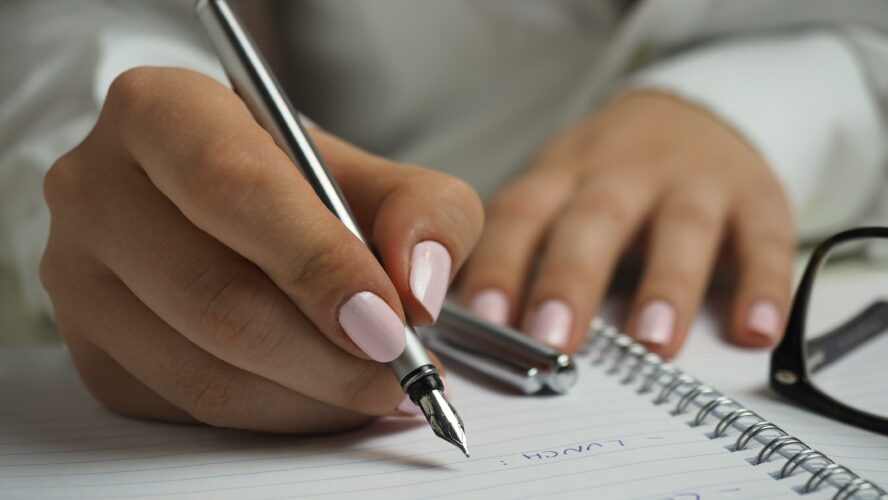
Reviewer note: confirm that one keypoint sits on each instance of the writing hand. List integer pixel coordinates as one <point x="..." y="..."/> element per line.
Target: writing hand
<point x="195" y="275"/>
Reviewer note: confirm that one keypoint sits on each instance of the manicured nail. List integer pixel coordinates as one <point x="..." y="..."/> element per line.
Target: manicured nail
<point x="552" y="323"/>
<point x="430" y="275"/>
<point x="657" y="322"/>
<point x="373" y="326"/>
<point x="409" y="407"/>
<point x="764" y="319"/>
<point x="491" y="305"/>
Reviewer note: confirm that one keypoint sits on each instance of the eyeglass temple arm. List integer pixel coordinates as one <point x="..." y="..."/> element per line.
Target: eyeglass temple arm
<point x="865" y="326"/>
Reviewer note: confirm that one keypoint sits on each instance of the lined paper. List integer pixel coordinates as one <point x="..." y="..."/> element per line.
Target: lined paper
<point x="56" y="442"/>
<point x="743" y="373"/>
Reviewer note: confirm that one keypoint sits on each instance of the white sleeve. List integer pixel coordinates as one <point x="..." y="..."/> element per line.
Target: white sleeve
<point x="58" y="59"/>
<point x="803" y="100"/>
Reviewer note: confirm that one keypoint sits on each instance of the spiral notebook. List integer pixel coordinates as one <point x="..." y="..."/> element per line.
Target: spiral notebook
<point x="633" y="428"/>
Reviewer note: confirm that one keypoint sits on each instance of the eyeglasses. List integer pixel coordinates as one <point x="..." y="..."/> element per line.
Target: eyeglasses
<point x="834" y="356"/>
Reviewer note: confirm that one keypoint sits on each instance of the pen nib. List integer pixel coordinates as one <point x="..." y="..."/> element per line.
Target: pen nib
<point x="444" y="419"/>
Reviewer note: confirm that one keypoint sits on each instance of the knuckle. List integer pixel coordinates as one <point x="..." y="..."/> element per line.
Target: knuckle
<point x="672" y="281"/>
<point x="234" y="314"/>
<point x="602" y="202"/>
<point x="207" y="394"/>
<point x="93" y="372"/>
<point x="48" y="271"/>
<point x="692" y="214"/>
<point x="516" y="202"/>
<point x="129" y="92"/>
<point x="769" y="272"/>
<point x="577" y="274"/>
<point x="454" y="206"/>
<point x="769" y="250"/>
<point x="324" y="261"/>
<point x="757" y="187"/>
<point x="96" y="384"/>
<point x="222" y="174"/>
<point x="62" y="184"/>
<point x="776" y="242"/>
<point x="468" y="211"/>
<point x="456" y="190"/>
<point x="371" y="391"/>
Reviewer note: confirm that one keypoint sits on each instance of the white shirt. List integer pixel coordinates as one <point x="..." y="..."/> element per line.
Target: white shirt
<point x="475" y="87"/>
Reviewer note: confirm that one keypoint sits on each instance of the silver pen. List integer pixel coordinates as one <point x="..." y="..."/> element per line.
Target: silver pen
<point x="258" y="88"/>
<point x="499" y="352"/>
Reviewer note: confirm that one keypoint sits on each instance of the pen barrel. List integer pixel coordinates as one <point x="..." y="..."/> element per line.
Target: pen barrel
<point x="414" y="362"/>
<point x="256" y="85"/>
<point x="500" y="352"/>
<point x="262" y="94"/>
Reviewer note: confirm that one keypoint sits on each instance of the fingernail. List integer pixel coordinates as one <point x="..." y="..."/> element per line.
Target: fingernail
<point x="430" y="275"/>
<point x="491" y="305"/>
<point x="552" y="323"/>
<point x="409" y="407"/>
<point x="373" y="326"/>
<point x="764" y="319"/>
<point x="656" y="323"/>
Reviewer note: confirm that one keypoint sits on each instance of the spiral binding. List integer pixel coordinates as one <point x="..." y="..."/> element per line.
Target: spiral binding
<point x="653" y="371"/>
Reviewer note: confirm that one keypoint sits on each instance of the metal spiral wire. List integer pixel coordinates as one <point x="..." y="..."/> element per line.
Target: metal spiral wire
<point x="649" y="370"/>
<point x="776" y="445"/>
<point x="754" y="430"/>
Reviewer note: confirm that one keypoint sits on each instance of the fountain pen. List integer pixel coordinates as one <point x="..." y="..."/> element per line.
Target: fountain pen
<point x="252" y="79"/>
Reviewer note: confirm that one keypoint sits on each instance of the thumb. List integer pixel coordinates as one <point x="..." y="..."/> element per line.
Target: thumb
<point x="423" y="223"/>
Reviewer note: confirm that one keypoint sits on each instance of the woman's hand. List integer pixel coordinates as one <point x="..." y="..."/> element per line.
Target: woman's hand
<point x="646" y="162"/>
<point x="195" y="275"/>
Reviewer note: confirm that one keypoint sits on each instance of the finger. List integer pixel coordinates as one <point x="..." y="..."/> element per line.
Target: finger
<point x="516" y="224"/>
<point x="222" y="303"/>
<point x="764" y="245"/>
<point x="685" y="236"/>
<point x="581" y="252"/>
<point x="208" y="389"/>
<point x="114" y="387"/>
<point x="424" y="223"/>
<point x="199" y="145"/>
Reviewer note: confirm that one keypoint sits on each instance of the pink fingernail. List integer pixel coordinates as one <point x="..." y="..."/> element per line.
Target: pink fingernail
<point x="409" y="407"/>
<point x="657" y="322"/>
<point x="430" y="275"/>
<point x="552" y="323"/>
<point x="373" y="326"/>
<point x="491" y="305"/>
<point x="764" y="319"/>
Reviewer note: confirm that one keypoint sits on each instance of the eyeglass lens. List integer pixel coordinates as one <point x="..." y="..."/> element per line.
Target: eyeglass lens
<point x="846" y="327"/>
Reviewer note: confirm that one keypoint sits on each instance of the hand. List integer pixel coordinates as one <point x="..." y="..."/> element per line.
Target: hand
<point x="195" y="275"/>
<point x="647" y="161"/>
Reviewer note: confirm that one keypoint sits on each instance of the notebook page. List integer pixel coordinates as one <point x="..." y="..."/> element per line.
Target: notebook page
<point x="56" y="442"/>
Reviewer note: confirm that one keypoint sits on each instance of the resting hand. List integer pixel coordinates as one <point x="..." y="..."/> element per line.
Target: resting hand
<point x="646" y="162"/>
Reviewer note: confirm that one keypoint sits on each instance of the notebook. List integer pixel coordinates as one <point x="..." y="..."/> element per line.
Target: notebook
<point x="605" y="438"/>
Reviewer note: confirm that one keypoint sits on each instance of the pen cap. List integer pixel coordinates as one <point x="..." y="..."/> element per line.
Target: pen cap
<point x="500" y="352"/>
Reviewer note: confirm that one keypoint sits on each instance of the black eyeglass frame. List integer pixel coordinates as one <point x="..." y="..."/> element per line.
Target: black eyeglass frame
<point x="789" y="370"/>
